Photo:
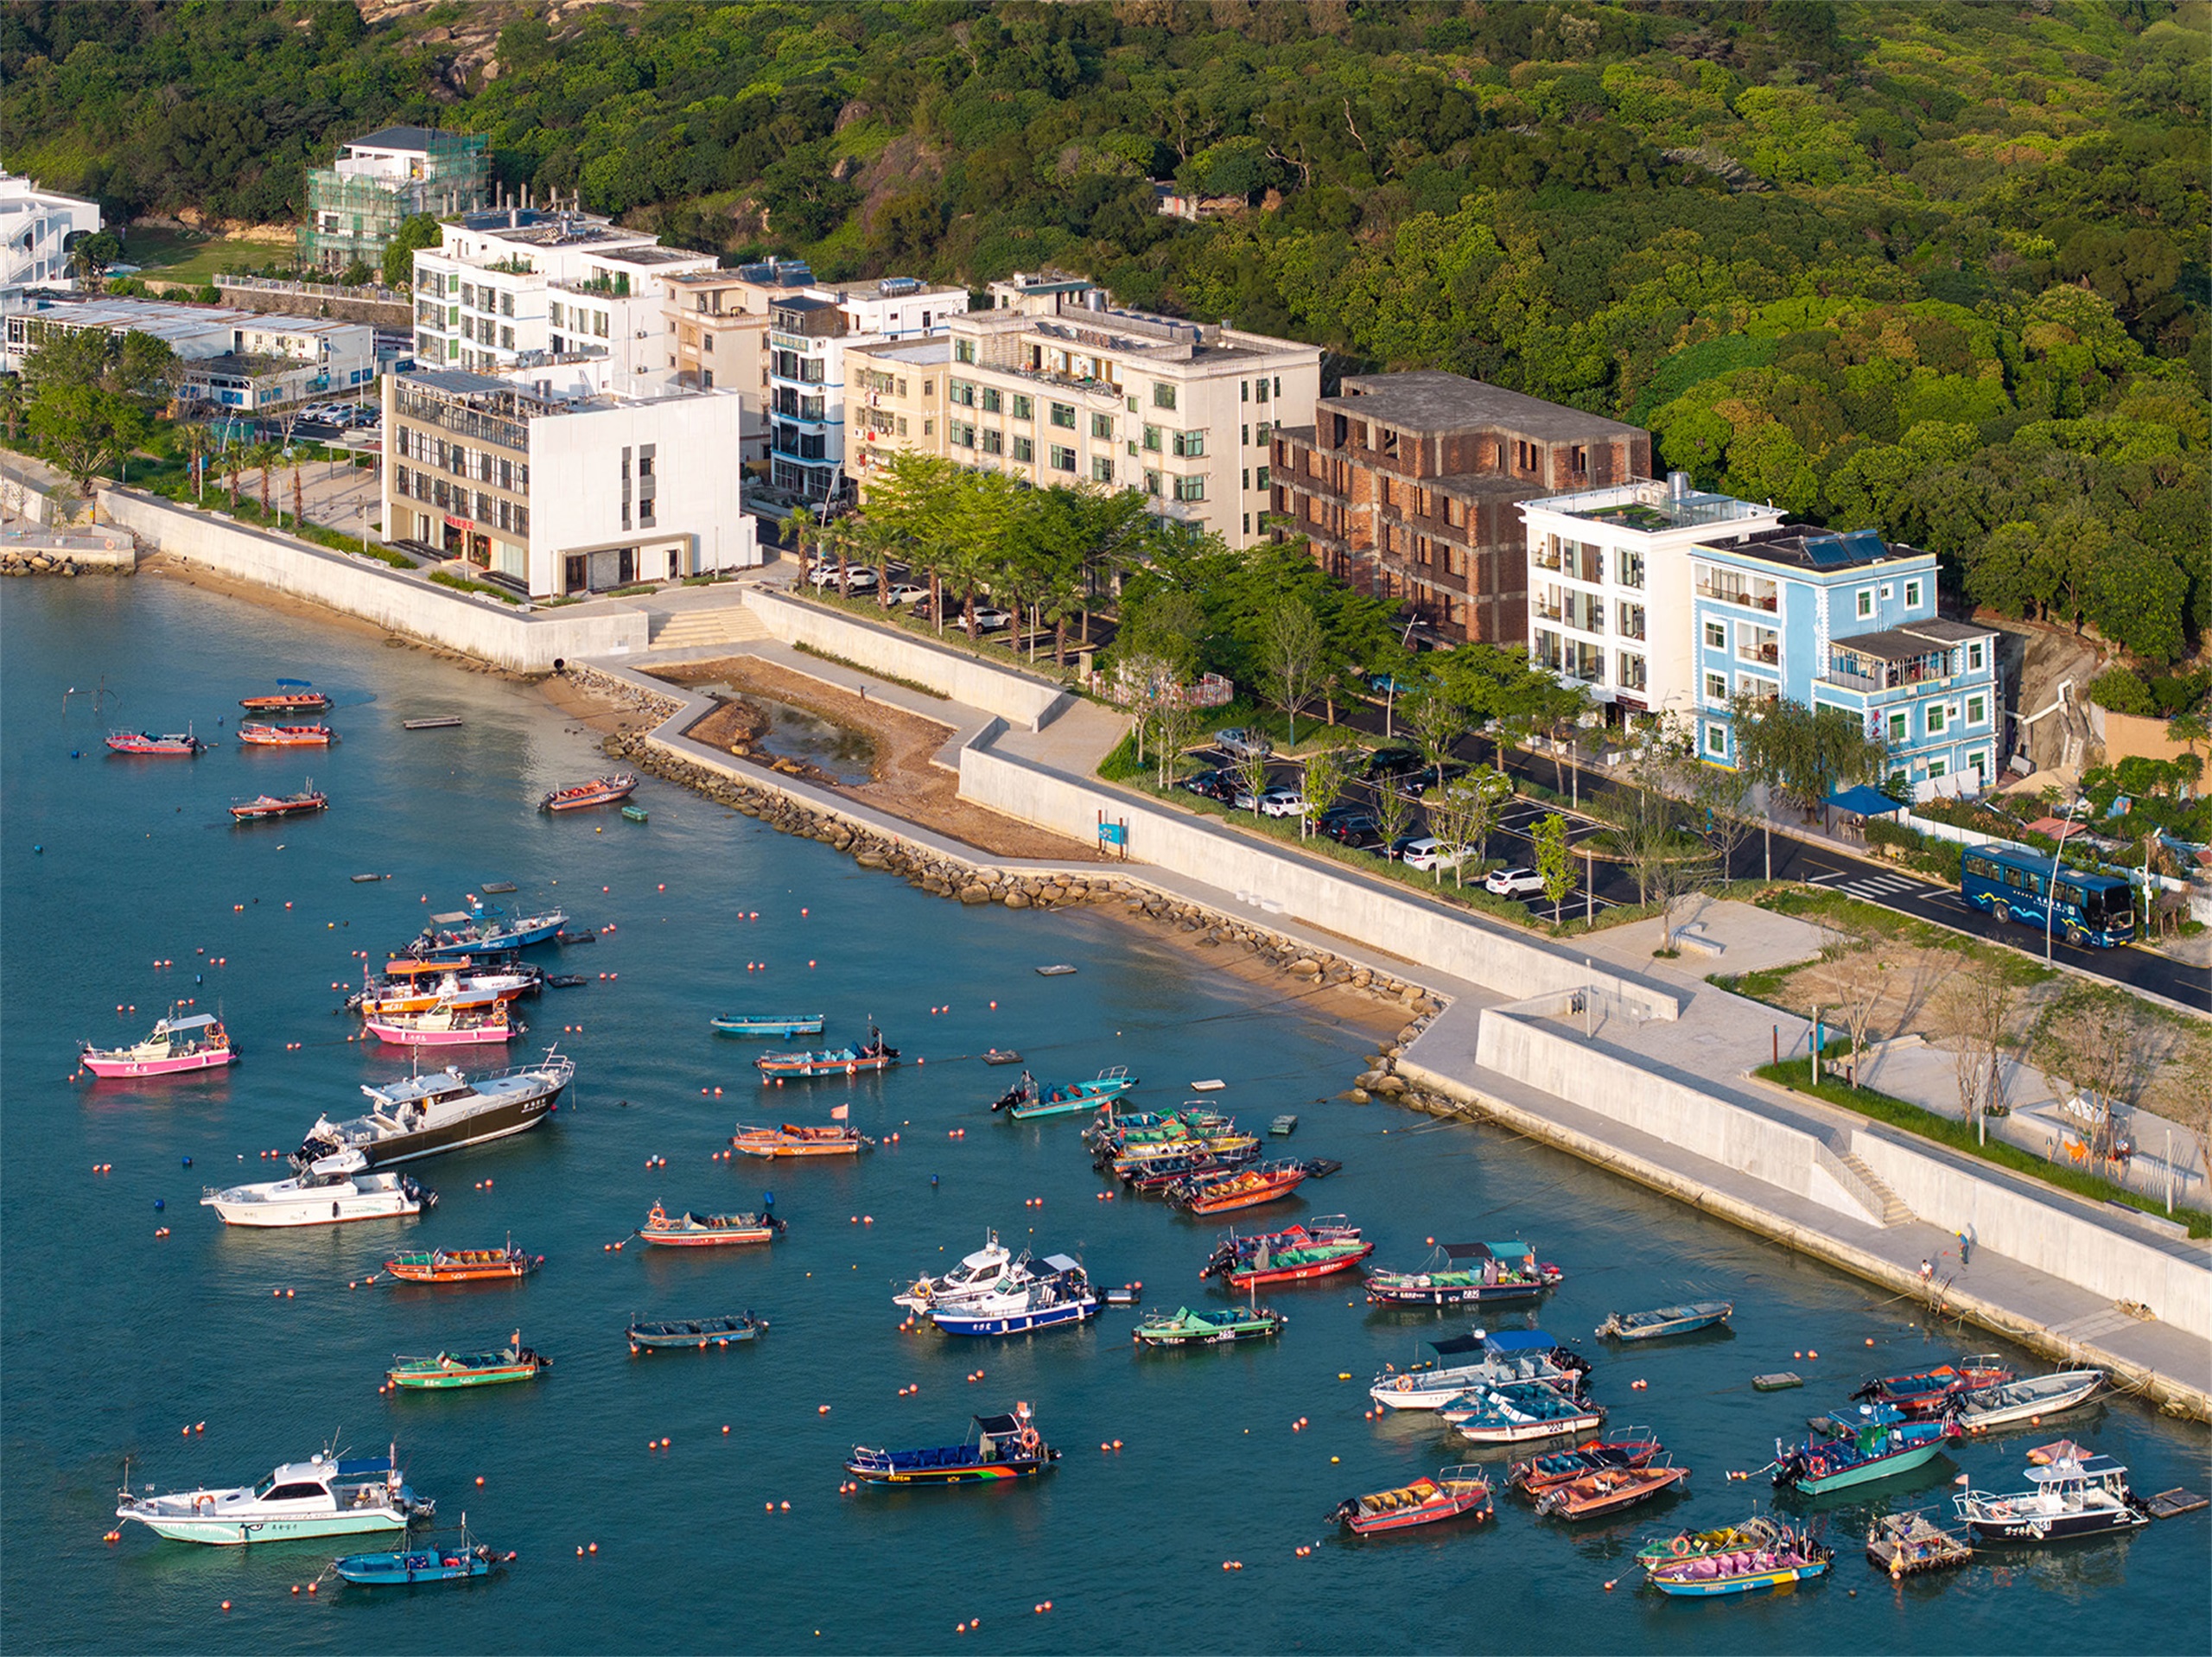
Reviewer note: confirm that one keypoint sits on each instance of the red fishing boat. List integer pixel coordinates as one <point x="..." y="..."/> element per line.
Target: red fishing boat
<point x="1608" y="1492"/>
<point x="1933" y="1391"/>
<point x="281" y="805"/>
<point x="146" y="742"/>
<point x="600" y="790"/>
<point x="1625" y="1454"/>
<point x="464" y="1265"/>
<point x="285" y="736"/>
<point x="297" y="697"/>
<point x="707" y="1230"/>
<point x="1294" y="1254"/>
<point x="1240" y="1188"/>
<point x="1454" y="1491"/>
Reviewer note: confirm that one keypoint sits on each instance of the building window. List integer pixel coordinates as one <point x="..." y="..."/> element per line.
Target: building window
<point x="993" y="442"/>
<point x="1262" y="433"/>
<point x="1262" y="482"/>
<point x="929" y="428"/>
<point x="1974" y="657"/>
<point x="1244" y="390"/>
<point x="1716" y="635"/>
<point x="990" y="399"/>
<point x="1102" y="426"/>
<point x="1632" y="620"/>
<point x="1939" y="767"/>
<point x="1900" y="728"/>
<point x="1631" y="673"/>
<point x="1244" y="482"/>
<point x="1024" y="408"/>
<point x="1063" y="459"/>
<point x="1163" y="396"/>
<point x="507" y="340"/>
<point x="1263" y="386"/>
<point x="1912" y="596"/>
<point x="1024" y="450"/>
<point x="963" y="351"/>
<point x="1152" y="438"/>
<point x="1064" y="417"/>
<point x="929" y="388"/>
<point x="962" y="434"/>
<point x="1190" y="444"/>
<point x="1190" y="488"/>
<point x="1938" y="717"/>
<point x="1977" y="710"/>
<point x="507" y="302"/>
<point x="1631" y="567"/>
<point x="1716" y="687"/>
<point x="1716" y="741"/>
<point x="1865" y="602"/>
<point x="1978" y="762"/>
<point x="1152" y="483"/>
<point x="960" y="391"/>
<point x="1102" y="470"/>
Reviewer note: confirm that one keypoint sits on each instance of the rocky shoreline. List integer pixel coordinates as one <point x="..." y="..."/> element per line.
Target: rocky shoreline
<point x="16" y="561"/>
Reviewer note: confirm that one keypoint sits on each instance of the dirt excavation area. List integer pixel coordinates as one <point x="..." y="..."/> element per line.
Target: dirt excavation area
<point x="903" y="780"/>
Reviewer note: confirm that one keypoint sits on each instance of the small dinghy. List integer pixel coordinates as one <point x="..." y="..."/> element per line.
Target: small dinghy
<point x="1001" y="1055"/>
<point x="600" y="790"/>
<point x="566" y="980"/>
<point x="1184" y="1327"/>
<point x="449" y="1371"/>
<point x="707" y="1230"/>
<point x="769" y="1024"/>
<point x="1665" y="1321"/>
<point x="697" y="1332"/>
<point x="1060" y="970"/>
<point x="870" y="1055"/>
<point x="998" y="1447"/>
<point x="1451" y="1494"/>
<point x="794" y="1140"/>
<point x="463" y="1265"/>
<point x="264" y="807"/>
<point x="420" y="1566"/>
<point x="1934" y="1392"/>
<point x="2029" y="1399"/>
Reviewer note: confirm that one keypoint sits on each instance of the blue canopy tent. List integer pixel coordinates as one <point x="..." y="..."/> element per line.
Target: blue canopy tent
<point x="1865" y="802"/>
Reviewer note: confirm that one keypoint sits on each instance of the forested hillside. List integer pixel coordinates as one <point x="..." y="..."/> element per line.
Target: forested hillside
<point x="1936" y="267"/>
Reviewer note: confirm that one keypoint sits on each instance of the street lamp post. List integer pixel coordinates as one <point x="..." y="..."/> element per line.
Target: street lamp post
<point x="2051" y="884"/>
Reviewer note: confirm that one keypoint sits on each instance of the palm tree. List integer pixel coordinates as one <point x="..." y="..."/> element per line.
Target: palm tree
<point x="234" y="463"/>
<point x="12" y="403"/>
<point x="299" y="508"/>
<point x="264" y="456"/>
<point x="197" y="441"/>
<point x="803" y="529"/>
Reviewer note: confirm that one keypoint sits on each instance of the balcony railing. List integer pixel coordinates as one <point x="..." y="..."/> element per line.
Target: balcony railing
<point x="1767" y="602"/>
<point x="1770" y="654"/>
<point x="1849" y="681"/>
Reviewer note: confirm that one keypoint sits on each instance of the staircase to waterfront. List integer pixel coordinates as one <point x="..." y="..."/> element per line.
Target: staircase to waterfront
<point x="1894" y="1213"/>
<point x="731" y="624"/>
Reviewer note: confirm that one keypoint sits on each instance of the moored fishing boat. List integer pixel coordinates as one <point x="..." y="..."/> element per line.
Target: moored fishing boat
<point x="297" y="696"/>
<point x="2029" y="1399"/>
<point x="334" y="1190"/>
<point x="463" y="1265"/>
<point x="176" y="743"/>
<point x="707" y="1230"/>
<point x="447" y="1371"/>
<point x="1226" y="1327"/>
<point x="1930" y="1392"/>
<point x="2076" y="1494"/>
<point x="1453" y="1493"/>
<point x="1792" y="1557"/>
<point x="1592" y="1495"/>
<point x="696" y="1332"/>
<point x="769" y="1024"/>
<point x="1158" y="1173"/>
<point x="456" y="1562"/>
<point x="1665" y="1321"/>
<point x="1029" y="1099"/>
<point x="263" y="806"/>
<point x="1907" y="1544"/>
<point x="1505" y="1355"/>
<point x="870" y="1055"/>
<point x="998" y="1447"/>
<point x="255" y="734"/>
<point x="1221" y="1192"/>
<point x="196" y="1042"/>
<point x="424" y="1115"/>
<point x="1627" y="1451"/>
<point x="448" y="1023"/>
<point x="1726" y="1538"/>
<point x="634" y="814"/>
<point x="600" y="790"/>
<point x="324" y="1495"/>
<point x="1472" y="1273"/>
<point x="419" y="986"/>
<point x="1317" y="1249"/>
<point x="989" y="1270"/>
<point x="1057" y="1291"/>
<point x="1517" y="1412"/>
<point x="1882" y="1445"/>
<point x="485" y="929"/>
<point x="792" y="1139"/>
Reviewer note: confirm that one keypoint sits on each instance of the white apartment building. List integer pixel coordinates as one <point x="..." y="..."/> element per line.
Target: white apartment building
<point x="511" y="285"/>
<point x="248" y="361"/>
<point x="1612" y="595"/>
<point x="560" y="488"/>
<point x="36" y="229"/>
<point x="1056" y="385"/>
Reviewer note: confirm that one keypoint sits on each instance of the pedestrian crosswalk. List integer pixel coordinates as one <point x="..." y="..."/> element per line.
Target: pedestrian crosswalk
<point x="1877" y="887"/>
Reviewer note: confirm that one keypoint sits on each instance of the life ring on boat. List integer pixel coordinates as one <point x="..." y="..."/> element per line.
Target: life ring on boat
<point x="1028" y="1440"/>
<point x="201" y="1503"/>
<point x="1682" y="1547"/>
<point x="1405" y="1383"/>
<point x="1817" y="1467"/>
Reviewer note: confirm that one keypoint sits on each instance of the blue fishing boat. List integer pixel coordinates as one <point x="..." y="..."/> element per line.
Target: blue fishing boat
<point x="696" y="1332"/>
<point x="766" y="1024"/>
<point x="1790" y="1557"/>
<point x="1880" y="1443"/>
<point x="482" y="928"/>
<point x="1514" y="1412"/>
<point x="456" y="1562"/>
<point x="1663" y="1321"/>
<point x="999" y="1447"/>
<point x="1060" y="1293"/>
<point x="1029" y="1098"/>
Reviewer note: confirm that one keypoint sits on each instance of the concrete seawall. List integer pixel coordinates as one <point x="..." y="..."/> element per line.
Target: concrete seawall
<point x="404" y="604"/>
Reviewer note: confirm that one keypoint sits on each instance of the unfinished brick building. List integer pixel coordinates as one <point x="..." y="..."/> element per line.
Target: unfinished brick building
<point x="1408" y="485"/>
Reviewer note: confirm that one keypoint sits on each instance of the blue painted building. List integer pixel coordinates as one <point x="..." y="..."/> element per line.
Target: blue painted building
<point x="1847" y="621"/>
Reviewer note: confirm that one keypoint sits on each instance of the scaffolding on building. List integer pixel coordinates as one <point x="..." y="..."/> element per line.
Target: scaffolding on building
<point x="355" y="217"/>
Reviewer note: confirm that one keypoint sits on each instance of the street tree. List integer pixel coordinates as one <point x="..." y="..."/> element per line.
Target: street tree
<point x="1805" y="752"/>
<point x="2098" y="1045"/>
<point x="85" y="429"/>
<point x="1435" y="722"/>
<point x="1251" y="770"/>
<point x="1461" y="814"/>
<point x="1325" y="773"/>
<point x="1554" y="863"/>
<point x="1974" y="1012"/>
<point x="1292" y="647"/>
<point x="1394" y="814"/>
<point x="1852" y="970"/>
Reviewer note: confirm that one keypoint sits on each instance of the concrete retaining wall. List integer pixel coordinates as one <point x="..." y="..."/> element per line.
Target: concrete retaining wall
<point x="483" y="628"/>
<point x="1567" y="1069"/>
<point x="2047" y="1235"/>
<point x="1013" y="696"/>
<point x="1309" y="892"/>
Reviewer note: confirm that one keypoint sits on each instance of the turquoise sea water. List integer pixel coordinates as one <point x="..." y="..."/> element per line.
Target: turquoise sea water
<point x="112" y="1341"/>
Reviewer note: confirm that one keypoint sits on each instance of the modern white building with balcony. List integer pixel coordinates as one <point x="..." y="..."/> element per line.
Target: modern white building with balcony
<point x="1612" y="587"/>
<point x="37" y="229"/>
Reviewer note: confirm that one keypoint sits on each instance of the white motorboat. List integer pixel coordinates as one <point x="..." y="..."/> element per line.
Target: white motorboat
<point x="320" y="1496"/>
<point x="333" y="1190"/>
<point x="1508" y="1354"/>
<point x="424" y="1115"/>
<point x="990" y="1270"/>
<point x="2077" y="1493"/>
<point x="2029" y="1399"/>
<point x="1060" y="1293"/>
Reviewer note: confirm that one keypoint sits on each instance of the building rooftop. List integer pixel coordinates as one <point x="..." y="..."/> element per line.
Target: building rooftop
<point x="922" y="353"/>
<point x="1820" y="552"/>
<point x="651" y="256"/>
<point x="806" y="302"/>
<point x="1431" y="402"/>
<point x="1653" y="507"/>
<point x="1909" y="644"/>
<point x="401" y="138"/>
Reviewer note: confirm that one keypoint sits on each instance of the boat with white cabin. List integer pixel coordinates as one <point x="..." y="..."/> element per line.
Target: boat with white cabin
<point x="330" y="1191"/>
<point x="427" y="1115"/>
<point x="1506" y="1355"/>
<point x="178" y="1044"/>
<point x="324" y="1495"/>
<point x="2077" y="1493"/>
<point x="990" y="1270"/>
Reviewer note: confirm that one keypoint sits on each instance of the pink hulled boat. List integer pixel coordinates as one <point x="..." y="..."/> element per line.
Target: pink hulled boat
<point x="176" y="742"/>
<point x="445" y="1025"/>
<point x="285" y="736"/>
<point x="198" y="1043"/>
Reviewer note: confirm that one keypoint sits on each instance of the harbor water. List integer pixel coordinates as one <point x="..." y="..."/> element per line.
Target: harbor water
<point x="210" y="1354"/>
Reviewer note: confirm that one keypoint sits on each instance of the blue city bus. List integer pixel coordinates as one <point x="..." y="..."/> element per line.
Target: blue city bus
<point x="2087" y="908"/>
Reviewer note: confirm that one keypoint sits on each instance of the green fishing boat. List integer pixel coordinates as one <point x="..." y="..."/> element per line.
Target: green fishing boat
<point x="1699" y="1544"/>
<point x="449" y="1370"/>
<point x="1186" y="1328"/>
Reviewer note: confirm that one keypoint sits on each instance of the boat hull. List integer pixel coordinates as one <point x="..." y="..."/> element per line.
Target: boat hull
<point x="446" y="1381"/>
<point x="2031" y="1403"/>
<point x="238" y="1533"/>
<point x="771" y="1070"/>
<point x="109" y="1068"/>
<point x="1303" y="1273"/>
<point x="313" y="1209"/>
<point x="955" y="1322"/>
<point x="706" y="1239"/>
<point x="782" y="1027"/>
<point x="396" y="1035"/>
<point x="405" y="1570"/>
<point x="1451" y="1294"/>
<point x="498" y="1122"/>
<point x="1867" y="1472"/>
<point x="1749" y="1583"/>
<point x="1435" y="1513"/>
<point x="1522" y="1433"/>
<point x="709" y="1331"/>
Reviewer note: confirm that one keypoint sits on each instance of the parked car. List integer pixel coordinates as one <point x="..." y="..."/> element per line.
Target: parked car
<point x="1514" y="882"/>
<point x="1356" y="829"/>
<point x="1386" y="762"/>
<point x="1283" y="803"/>
<point x="1214" y="784"/>
<point x="906" y="593"/>
<point x="1415" y="783"/>
<point x="1384" y="684"/>
<point x="988" y="620"/>
<point x="858" y="578"/>
<point x="1427" y="853"/>
<point x="1239" y="743"/>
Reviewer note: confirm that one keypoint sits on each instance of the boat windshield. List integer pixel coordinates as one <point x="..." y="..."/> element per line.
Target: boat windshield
<point x="264" y="1486"/>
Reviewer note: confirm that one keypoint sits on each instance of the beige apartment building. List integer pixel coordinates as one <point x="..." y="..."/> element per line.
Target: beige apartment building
<point x="895" y="402"/>
<point x="1056" y="385"/>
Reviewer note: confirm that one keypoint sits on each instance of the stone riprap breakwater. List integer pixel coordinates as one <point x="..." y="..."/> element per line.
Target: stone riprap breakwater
<point x="982" y="882"/>
<point x="27" y="561"/>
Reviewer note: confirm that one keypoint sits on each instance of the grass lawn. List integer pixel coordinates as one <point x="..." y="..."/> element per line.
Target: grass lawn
<point x="192" y="256"/>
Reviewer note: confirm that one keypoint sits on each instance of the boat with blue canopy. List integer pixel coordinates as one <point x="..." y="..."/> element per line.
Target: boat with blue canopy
<point x="1504" y="1355"/>
<point x="1880" y="1443"/>
<point x="1029" y="1098"/>
<point x="1518" y="1411"/>
<point x="769" y="1024"/>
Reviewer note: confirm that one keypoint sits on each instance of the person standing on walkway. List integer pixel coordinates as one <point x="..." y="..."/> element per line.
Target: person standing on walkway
<point x="1964" y="1246"/>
